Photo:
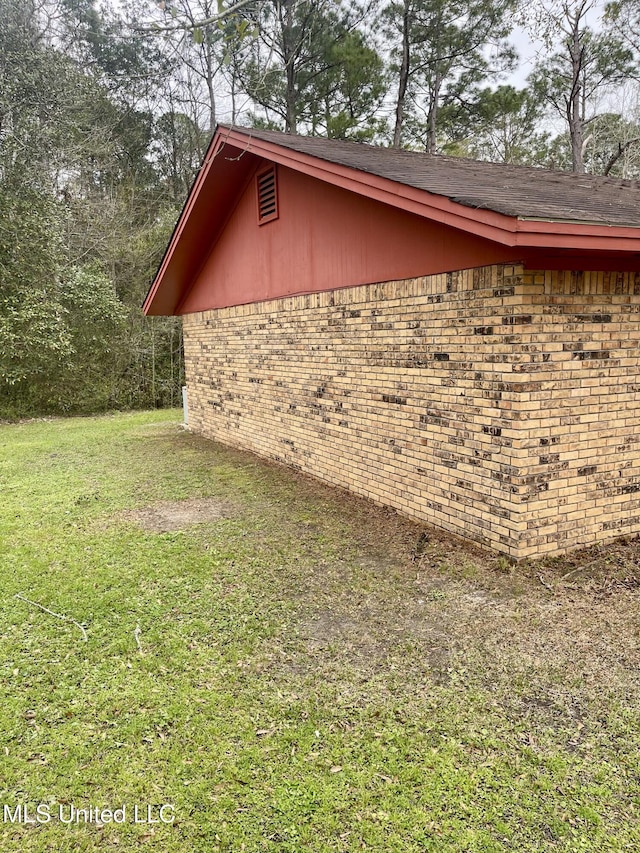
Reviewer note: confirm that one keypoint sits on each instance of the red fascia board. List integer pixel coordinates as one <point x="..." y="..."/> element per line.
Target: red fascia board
<point x="508" y="230"/>
<point x="578" y="235"/>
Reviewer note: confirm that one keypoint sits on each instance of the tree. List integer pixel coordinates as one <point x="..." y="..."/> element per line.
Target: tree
<point x="311" y="67"/>
<point x="501" y="124"/>
<point x="178" y="146"/>
<point x="194" y="37"/>
<point x="587" y="64"/>
<point x="344" y="99"/>
<point x="612" y="147"/>
<point x="77" y="185"/>
<point x="33" y="89"/>
<point x="622" y="17"/>
<point x="443" y="57"/>
<point x="34" y="338"/>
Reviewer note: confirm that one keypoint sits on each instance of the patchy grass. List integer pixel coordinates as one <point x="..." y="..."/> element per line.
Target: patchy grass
<point x="293" y="669"/>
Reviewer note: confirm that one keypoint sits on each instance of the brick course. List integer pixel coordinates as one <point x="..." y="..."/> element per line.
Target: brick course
<point x="497" y="403"/>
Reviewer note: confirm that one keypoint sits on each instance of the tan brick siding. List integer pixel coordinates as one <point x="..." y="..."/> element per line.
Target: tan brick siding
<point x="452" y="398"/>
<point x="583" y="433"/>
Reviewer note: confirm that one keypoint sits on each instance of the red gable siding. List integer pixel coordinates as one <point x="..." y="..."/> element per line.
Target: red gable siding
<point x="326" y="237"/>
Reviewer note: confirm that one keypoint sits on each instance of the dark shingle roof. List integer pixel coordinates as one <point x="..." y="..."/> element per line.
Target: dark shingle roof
<point x="518" y="191"/>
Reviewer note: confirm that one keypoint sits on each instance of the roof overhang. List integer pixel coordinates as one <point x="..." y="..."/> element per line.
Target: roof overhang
<point x="217" y="186"/>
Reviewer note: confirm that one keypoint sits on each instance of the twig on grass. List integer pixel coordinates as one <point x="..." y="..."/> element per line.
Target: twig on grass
<point x="57" y="615"/>
<point x="136" y="634"/>
<point x="545" y="584"/>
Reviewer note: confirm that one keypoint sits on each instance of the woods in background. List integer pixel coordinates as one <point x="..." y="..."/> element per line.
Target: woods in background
<point x="106" y="112"/>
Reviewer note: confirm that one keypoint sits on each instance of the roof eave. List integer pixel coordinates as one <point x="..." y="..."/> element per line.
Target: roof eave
<point x="562" y="234"/>
<point x="484" y="223"/>
<point x="498" y="227"/>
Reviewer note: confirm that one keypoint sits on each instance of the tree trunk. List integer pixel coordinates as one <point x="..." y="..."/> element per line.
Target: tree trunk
<point x="291" y="121"/>
<point x="434" y="100"/>
<point x="209" y="59"/>
<point x="233" y="95"/>
<point x="403" y="79"/>
<point x="289" y="66"/>
<point x="575" y="114"/>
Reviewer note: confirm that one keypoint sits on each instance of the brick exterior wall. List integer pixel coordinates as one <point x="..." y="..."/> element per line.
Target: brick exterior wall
<point x="497" y="403"/>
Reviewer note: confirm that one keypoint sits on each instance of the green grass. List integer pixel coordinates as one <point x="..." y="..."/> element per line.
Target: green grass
<point x="306" y="681"/>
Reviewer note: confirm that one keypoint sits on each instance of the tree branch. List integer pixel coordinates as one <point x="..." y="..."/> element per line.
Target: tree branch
<point x="195" y="25"/>
<point x="621" y="149"/>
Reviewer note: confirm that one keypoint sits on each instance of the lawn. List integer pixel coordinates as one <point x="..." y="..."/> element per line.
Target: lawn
<point x="287" y="668"/>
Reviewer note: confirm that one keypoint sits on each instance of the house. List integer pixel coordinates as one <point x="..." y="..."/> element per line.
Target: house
<point x="455" y="339"/>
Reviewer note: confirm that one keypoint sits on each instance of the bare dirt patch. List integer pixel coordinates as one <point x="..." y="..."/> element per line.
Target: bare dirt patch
<point x="401" y="597"/>
<point x="169" y="516"/>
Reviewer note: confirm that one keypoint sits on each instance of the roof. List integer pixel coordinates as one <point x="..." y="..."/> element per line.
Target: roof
<point x="580" y="218"/>
<point x="519" y="191"/>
